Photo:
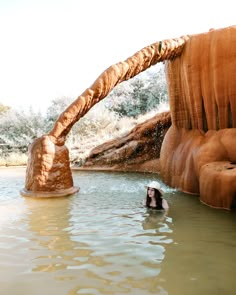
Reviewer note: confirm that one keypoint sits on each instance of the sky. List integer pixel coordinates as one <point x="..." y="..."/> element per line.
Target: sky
<point x="57" y="48"/>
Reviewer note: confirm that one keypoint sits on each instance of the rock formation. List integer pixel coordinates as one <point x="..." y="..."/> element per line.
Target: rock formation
<point x="48" y="172"/>
<point x="137" y="151"/>
<point x="198" y="152"/>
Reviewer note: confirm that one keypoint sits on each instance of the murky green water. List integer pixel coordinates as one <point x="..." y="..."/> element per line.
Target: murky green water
<point x="102" y="241"/>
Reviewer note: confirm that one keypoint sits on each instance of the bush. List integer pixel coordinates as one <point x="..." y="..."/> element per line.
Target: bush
<point x="139" y="95"/>
<point x="14" y="159"/>
<point x="129" y="103"/>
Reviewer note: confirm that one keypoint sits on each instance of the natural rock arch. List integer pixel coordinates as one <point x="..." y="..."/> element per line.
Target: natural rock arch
<point x="48" y="171"/>
<point x="198" y="152"/>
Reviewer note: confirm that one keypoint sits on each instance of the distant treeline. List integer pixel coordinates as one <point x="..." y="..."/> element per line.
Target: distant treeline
<point x="129" y="99"/>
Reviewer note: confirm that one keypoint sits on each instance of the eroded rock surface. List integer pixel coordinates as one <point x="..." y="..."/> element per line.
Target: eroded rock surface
<point x="137" y="151"/>
<point x="198" y="151"/>
<point x="202" y="92"/>
<point x="39" y="172"/>
<point x="51" y="174"/>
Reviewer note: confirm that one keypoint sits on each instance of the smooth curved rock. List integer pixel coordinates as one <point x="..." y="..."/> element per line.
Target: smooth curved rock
<point x="218" y="179"/>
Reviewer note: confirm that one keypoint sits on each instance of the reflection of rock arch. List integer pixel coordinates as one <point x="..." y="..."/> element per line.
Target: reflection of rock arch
<point x="54" y="245"/>
<point x="52" y="241"/>
<point x="48" y="171"/>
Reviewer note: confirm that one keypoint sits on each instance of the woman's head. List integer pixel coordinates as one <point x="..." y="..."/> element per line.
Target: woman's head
<point x="154" y="191"/>
<point x="154" y="186"/>
<point x="151" y="192"/>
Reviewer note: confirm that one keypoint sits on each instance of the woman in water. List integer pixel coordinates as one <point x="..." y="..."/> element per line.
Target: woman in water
<point x="154" y="198"/>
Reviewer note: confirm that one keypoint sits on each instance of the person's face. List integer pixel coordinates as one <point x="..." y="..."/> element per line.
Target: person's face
<point x="151" y="192"/>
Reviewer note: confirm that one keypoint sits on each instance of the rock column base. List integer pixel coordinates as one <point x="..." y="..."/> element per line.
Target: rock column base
<point x="53" y="194"/>
<point x="218" y="184"/>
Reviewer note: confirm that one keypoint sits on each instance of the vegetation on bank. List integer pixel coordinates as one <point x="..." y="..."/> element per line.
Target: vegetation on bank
<point x="129" y="104"/>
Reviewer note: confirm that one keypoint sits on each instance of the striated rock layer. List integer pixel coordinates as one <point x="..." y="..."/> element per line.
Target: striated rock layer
<point x="198" y="154"/>
<point x="137" y="151"/>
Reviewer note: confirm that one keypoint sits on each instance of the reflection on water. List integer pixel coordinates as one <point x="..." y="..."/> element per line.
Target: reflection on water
<point x="102" y="241"/>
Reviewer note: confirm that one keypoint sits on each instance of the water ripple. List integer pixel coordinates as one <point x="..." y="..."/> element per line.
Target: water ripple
<point x="102" y="241"/>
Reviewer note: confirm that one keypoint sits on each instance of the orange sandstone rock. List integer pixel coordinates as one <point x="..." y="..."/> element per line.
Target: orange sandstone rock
<point x="199" y="145"/>
<point x="137" y="151"/>
<point x="48" y="172"/>
<point x="43" y="172"/>
<point x="202" y="91"/>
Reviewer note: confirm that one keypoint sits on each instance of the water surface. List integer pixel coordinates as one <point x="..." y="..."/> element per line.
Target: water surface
<point x="102" y="241"/>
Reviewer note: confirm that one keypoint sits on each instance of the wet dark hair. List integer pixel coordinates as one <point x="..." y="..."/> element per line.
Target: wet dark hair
<point x="158" y="198"/>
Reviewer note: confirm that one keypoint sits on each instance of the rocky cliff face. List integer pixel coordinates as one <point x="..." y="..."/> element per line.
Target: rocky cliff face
<point x="137" y="151"/>
<point x="198" y="153"/>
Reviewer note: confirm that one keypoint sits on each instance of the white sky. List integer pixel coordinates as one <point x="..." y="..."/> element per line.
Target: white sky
<point x="55" y="48"/>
